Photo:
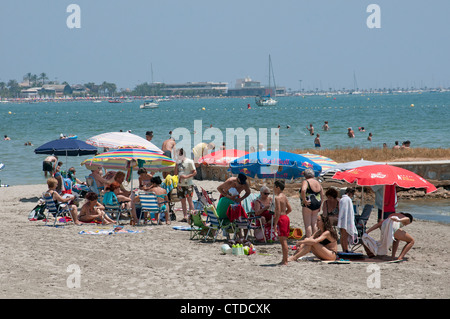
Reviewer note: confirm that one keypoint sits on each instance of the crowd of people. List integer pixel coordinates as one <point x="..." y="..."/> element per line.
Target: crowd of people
<point x="327" y="217"/>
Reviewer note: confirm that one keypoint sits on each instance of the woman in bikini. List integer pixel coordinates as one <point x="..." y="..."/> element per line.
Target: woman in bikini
<point x="330" y="207"/>
<point x="323" y="243"/>
<point x="161" y="195"/>
<point x="92" y="211"/>
<point x="311" y="194"/>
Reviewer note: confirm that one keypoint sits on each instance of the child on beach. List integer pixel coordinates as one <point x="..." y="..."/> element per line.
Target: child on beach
<point x="93" y="211"/>
<point x="282" y="209"/>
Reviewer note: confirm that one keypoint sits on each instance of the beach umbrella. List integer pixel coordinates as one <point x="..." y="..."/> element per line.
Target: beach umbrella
<point x="273" y="164"/>
<point x="349" y="165"/>
<point x="384" y="174"/>
<point x="222" y="157"/>
<point x="125" y="158"/>
<point x="122" y="139"/>
<point x="325" y="162"/>
<point x="131" y="158"/>
<point x="67" y="147"/>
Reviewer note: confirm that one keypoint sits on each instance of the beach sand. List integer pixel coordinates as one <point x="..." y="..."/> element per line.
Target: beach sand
<point x="164" y="263"/>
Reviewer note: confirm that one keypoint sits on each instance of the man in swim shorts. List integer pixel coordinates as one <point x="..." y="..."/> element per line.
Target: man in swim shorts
<point x="282" y="209"/>
<point x="49" y="165"/>
<point x="185" y="169"/>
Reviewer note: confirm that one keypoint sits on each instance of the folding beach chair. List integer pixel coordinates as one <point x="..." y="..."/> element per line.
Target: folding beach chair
<point x="54" y="208"/>
<point x="92" y="184"/>
<point x="149" y="204"/>
<point x="214" y="223"/>
<point x="114" y="207"/>
<point x="198" y="225"/>
<point x="360" y="223"/>
<point x="208" y="197"/>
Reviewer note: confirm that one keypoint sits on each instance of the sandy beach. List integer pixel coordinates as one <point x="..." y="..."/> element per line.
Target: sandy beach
<point x="163" y="263"/>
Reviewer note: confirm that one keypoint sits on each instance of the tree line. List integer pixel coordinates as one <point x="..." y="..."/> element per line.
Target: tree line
<point x="12" y="89"/>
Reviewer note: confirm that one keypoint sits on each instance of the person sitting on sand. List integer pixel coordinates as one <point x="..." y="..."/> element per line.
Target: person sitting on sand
<point x="323" y="244"/>
<point x="93" y="211"/>
<point x="391" y="234"/>
<point x="58" y="199"/>
<point x="281" y="219"/>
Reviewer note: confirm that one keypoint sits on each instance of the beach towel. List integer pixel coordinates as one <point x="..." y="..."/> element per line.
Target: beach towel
<point x="235" y="211"/>
<point x="347" y="218"/>
<point x="182" y="228"/>
<point x="109" y="232"/>
<point x="222" y="207"/>
<point x="381" y="247"/>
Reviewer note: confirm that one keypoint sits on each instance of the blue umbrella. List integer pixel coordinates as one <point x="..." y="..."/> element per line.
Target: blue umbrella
<point x="66" y="146"/>
<point x="273" y="164"/>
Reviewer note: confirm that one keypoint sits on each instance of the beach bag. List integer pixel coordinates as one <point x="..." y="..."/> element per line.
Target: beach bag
<point x="37" y="213"/>
<point x="315" y="203"/>
<point x="270" y="233"/>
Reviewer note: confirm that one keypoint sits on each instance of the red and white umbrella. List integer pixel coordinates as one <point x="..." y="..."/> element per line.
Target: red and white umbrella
<point x="222" y="158"/>
<point x="384" y="175"/>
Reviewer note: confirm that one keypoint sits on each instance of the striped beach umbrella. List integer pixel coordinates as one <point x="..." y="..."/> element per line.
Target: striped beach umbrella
<point x="325" y="162"/>
<point x="126" y="158"/>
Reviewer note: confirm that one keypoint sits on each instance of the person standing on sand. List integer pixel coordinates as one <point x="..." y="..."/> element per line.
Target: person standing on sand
<point x="281" y="219"/>
<point x="185" y="169"/>
<point x="49" y="165"/>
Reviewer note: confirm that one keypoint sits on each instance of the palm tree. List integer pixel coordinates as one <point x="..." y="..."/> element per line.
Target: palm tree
<point x="27" y="77"/>
<point x="43" y="77"/>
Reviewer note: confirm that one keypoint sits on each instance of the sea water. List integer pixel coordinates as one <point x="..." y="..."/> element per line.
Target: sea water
<point x="421" y="118"/>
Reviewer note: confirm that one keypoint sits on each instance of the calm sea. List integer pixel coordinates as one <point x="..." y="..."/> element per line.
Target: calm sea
<point x="421" y="118"/>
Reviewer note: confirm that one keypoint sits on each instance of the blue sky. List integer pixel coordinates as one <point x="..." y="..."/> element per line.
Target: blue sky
<point x="321" y="42"/>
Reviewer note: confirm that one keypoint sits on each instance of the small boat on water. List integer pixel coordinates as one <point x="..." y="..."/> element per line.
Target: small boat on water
<point x="115" y="101"/>
<point x="267" y="100"/>
<point x="150" y="104"/>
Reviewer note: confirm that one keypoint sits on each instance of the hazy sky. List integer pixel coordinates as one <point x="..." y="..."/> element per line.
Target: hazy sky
<point x="321" y="42"/>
